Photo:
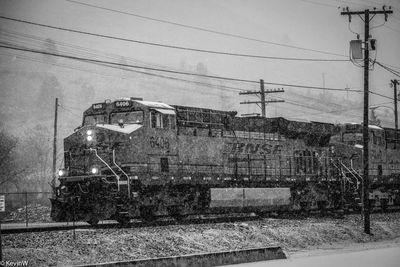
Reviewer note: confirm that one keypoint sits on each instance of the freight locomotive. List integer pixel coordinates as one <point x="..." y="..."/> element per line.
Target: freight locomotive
<point x="140" y="159"/>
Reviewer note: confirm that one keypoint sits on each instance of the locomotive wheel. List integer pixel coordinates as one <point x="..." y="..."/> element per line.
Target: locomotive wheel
<point x="305" y="208"/>
<point x="384" y="204"/>
<point x="123" y="220"/>
<point x="93" y="221"/>
<point x="147" y="214"/>
<point x="176" y="213"/>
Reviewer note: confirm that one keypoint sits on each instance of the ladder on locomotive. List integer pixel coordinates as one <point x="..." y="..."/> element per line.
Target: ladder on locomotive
<point x="350" y="176"/>
<point x="123" y="179"/>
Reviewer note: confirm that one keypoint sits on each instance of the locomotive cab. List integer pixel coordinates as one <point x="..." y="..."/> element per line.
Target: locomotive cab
<point x="104" y="152"/>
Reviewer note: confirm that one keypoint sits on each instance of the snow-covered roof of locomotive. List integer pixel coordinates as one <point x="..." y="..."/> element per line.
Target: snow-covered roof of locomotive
<point x="370" y="126"/>
<point x="151" y="104"/>
<point x="375" y="127"/>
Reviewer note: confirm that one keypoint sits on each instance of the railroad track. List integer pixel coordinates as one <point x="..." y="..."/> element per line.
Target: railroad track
<point x="48" y="227"/>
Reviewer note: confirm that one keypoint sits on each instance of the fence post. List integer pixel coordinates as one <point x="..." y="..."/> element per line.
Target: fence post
<point x="73" y="221"/>
<point x="2" y="209"/>
<point x="26" y="209"/>
<point x="1" y="245"/>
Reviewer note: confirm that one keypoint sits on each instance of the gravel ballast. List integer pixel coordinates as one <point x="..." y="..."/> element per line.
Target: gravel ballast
<point x="105" y="245"/>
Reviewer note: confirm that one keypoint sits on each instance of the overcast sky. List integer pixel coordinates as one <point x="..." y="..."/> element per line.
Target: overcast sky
<point x="233" y="26"/>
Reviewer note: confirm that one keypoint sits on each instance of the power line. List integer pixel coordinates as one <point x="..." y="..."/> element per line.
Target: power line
<point x="384" y="96"/>
<point x="126" y="65"/>
<point x="116" y="65"/>
<point x="163" y="76"/>
<point x="394" y="72"/>
<point x="69" y="111"/>
<point x="206" y="30"/>
<point x="341" y="110"/>
<point x="396" y="67"/>
<point x="178" y="79"/>
<point x="173" y="46"/>
<point x="210" y="85"/>
<point x="34" y="38"/>
<point x="172" y="78"/>
<point x="392" y="29"/>
<point x="318" y="3"/>
<point x="308" y="105"/>
<point x="221" y="87"/>
<point x="217" y="86"/>
<point x="313" y="87"/>
<point x="111" y="37"/>
<point x="79" y="49"/>
<point x="386" y="66"/>
<point x="168" y="77"/>
<point x="171" y="71"/>
<point x="349" y="2"/>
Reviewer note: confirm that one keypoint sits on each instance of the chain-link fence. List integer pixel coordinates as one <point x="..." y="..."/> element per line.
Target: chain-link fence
<point x="26" y="207"/>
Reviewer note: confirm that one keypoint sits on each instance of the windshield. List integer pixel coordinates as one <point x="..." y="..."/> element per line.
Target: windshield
<point x="127" y="117"/>
<point x="352" y="138"/>
<point x="95" y="119"/>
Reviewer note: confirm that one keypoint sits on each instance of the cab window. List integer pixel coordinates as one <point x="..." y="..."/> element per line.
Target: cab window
<point x="156" y="119"/>
<point x="95" y="119"/>
<point x="127" y="117"/>
<point x="352" y="138"/>
<point x="162" y="121"/>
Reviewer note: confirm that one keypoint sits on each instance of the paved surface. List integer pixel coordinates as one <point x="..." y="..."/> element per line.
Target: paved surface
<point x="376" y="257"/>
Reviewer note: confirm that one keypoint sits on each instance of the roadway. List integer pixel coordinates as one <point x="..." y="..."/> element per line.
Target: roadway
<point x="370" y="257"/>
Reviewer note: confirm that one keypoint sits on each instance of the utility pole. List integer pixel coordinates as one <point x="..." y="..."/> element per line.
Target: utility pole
<point x="263" y="112"/>
<point x="262" y="94"/>
<point x="53" y="181"/>
<point x="365" y="188"/>
<point x="396" y="124"/>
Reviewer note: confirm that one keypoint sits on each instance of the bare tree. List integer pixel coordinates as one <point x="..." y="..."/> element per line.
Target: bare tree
<point x="37" y="149"/>
<point x="10" y="166"/>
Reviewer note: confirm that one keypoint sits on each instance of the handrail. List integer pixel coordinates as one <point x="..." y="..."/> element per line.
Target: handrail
<point x="80" y="188"/>
<point x="359" y="179"/>
<point x="353" y="172"/>
<point x="343" y="174"/>
<point x="105" y="163"/>
<point x="127" y="177"/>
<point x="118" y="165"/>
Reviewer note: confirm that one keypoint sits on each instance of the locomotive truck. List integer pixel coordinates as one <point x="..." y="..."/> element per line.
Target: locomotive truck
<point x="132" y="158"/>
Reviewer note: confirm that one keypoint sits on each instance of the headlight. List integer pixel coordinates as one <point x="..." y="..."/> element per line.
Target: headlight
<point x="89" y="135"/>
<point x="94" y="170"/>
<point x="62" y="172"/>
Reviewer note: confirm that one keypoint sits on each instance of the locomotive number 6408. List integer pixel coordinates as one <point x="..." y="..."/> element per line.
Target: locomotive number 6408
<point x="159" y="142"/>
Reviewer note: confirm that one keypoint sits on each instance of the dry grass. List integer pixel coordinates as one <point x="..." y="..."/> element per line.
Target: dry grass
<point x="102" y="245"/>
